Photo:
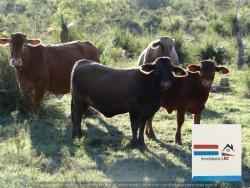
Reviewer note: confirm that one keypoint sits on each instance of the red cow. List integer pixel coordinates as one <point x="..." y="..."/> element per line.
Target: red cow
<point x="42" y="68"/>
<point x="189" y="94"/>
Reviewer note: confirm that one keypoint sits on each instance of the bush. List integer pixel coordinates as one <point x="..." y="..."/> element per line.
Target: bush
<point x="222" y="28"/>
<point x="149" y="4"/>
<point x="216" y="49"/>
<point x="151" y="23"/>
<point x="10" y="96"/>
<point x="127" y="42"/>
<point x="246" y="80"/>
<point x="182" y="47"/>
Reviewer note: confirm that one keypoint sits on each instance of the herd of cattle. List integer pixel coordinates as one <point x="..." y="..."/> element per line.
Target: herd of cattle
<point x="75" y="66"/>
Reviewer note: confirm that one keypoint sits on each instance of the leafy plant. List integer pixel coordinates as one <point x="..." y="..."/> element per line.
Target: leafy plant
<point x="126" y="41"/>
<point x="182" y="47"/>
<point x="214" y="48"/>
<point x="10" y="95"/>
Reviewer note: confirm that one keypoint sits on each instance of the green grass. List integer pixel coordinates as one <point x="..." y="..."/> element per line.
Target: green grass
<point x="42" y="150"/>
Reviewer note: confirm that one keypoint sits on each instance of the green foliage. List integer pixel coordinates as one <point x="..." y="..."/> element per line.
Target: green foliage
<point x="182" y="47"/>
<point x="127" y="42"/>
<point x="149" y="4"/>
<point x="222" y="28"/>
<point x="246" y="79"/>
<point x="10" y="95"/>
<point x="151" y="23"/>
<point x="64" y="31"/>
<point x="214" y="48"/>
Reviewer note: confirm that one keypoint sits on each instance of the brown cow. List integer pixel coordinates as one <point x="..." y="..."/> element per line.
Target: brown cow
<point x="115" y="91"/>
<point x="189" y="94"/>
<point x="44" y="68"/>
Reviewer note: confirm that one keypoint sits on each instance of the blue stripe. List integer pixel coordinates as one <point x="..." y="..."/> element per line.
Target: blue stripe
<point x="216" y="178"/>
<point x="206" y="153"/>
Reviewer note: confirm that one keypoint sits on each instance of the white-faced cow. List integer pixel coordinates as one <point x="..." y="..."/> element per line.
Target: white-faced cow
<point x="161" y="47"/>
<point x="42" y="68"/>
<point x="115" y="91"/>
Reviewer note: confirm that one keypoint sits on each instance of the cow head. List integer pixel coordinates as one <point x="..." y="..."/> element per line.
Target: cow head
<point x="165" y="47"/>
<point x="17" y="41"/>
<point x="207" y="69"/>
<point x="165" y="69"/>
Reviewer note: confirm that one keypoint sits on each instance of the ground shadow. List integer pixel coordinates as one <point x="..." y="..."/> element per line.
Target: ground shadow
<point x="184" y="156"/>
<point x="132" y="168"/>
<point x="49" y="134"/>
<point x="210" y="114"/>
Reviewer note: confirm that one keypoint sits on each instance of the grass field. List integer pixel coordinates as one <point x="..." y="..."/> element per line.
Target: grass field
<point x="42" y="150"/>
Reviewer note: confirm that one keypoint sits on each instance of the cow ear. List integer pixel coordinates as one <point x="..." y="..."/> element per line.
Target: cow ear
<point x="156" y="44"/>
<point x="4" y="41"/>
<point x="147" y="68"/>
<point x="222" y="69"/>
<point x="193" y="68"/>
<point x="33" y="41"/>
<point x="179" y="70"/>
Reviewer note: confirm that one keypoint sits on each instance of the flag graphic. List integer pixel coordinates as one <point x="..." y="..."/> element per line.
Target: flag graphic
<point x="205" y="149"/>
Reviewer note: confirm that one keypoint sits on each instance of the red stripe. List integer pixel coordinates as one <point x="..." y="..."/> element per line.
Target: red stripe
<point x="202" y="146"/>
<point x="226" y="154"/>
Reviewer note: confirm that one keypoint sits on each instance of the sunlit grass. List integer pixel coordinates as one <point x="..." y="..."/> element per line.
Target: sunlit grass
<point x="42" y="150"/>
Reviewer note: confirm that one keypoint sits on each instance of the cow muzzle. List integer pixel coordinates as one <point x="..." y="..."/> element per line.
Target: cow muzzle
<point x="165" y="85"/>
<point x="207" y="83"/>
<point x="16" y="62"/>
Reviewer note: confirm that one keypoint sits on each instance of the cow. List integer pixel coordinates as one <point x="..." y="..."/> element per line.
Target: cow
<point x="161" y="47"/>
<point x="117" y="91"/>
<point x="188" y="94"/>
<point x="42" y="68"/>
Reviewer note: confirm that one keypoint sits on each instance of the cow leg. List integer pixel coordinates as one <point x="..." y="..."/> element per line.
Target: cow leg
<point x="149" y="129"/>
<point x="39" y="94"/>
<point x="28" y="91"/>
<point x="78" y="107"/>
<point x="180" y="121"/>
<point x="31" y="103"/>
<point x="197" y="118"/>
<point x="141" y="132"/>
<point x="134" y="127"/>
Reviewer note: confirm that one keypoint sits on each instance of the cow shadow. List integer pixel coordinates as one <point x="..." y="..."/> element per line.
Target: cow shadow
<point x="10" y="125"/>
<point x="210" y="114"/>
<point x="178" y="151"/>
<point x="49" y="134"/>
<point x="125" y="165"/>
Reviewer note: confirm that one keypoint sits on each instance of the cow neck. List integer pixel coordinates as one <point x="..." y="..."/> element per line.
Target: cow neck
<point x="203" y="92"/>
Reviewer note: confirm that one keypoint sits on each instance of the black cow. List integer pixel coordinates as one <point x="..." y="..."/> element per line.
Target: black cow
<point x="114" y="91"/>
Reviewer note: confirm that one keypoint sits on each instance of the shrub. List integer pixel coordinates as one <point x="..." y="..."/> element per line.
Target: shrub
<point x="151" y="23"/>
<point x="222" y="28"/>
<point x="64" y="31"/>
<point x="149" y="4"/>
<point x="207" y="50"/>
<point x="246" y="80"/>
<point x="213" y="48"/>
<point x="127" y="42"/>
<point x="182" y="47"/>
<point x="10" y="95"/>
